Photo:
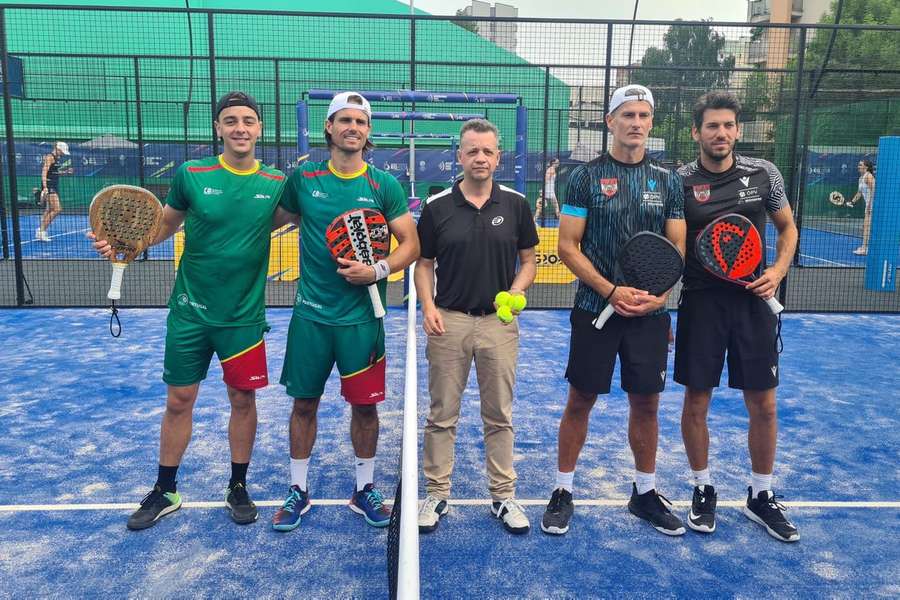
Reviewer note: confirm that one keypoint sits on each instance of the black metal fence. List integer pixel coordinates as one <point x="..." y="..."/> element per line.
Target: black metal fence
<point x="131" y="92"/>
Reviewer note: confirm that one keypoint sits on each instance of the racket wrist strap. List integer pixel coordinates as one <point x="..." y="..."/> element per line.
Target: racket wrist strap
<point x="611" y="292"/>
<point x="382" y="269"/>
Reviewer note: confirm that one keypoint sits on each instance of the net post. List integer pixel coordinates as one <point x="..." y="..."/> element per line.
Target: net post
<point x="408" y="564"/>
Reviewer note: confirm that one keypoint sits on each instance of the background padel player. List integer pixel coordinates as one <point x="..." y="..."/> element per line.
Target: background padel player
<point x="50" y="189"/>
<point x="472" y="235"/>
<point x="865" y="191"/>
<point x="227" y="204"/>
<point x="610" y="199"/>
<point x="717" y="317"/>
<point x="333" y="320"/>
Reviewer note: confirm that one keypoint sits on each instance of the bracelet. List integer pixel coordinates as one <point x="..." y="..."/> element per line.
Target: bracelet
<point x="612" y="292"/>
<point x="382" y="270"/>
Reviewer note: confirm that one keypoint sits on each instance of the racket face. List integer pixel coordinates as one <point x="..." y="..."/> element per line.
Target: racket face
<point x="126" y="216"/>
<point x="649" y="261"/>
<point x="730" y="247"/>
<point x="360" y="234"/>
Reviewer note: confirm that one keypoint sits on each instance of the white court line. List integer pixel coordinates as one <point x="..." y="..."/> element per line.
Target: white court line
<point x="457" y="502"/>
<point x="55" y="235"/>
<point x="810" y="256"/>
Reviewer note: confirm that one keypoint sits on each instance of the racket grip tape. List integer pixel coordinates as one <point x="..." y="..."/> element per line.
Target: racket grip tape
<point x="774" y="305"/>
<point x="601" y="320"/>
<point x="377" y="306"/>
<point x="115" y="285"/>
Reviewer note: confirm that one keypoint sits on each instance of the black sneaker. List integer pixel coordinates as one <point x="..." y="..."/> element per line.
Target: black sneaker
<point x="240" y="506"/>
<point x="649" y="506"/>
<point x="703" y="509"/>
<point x="154" y="506"/>
<point x="559" y="512"/>
<point x="766" y="510"/>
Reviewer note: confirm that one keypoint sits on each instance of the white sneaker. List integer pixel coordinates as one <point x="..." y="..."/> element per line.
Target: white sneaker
<point x="511" y="514"/>
<point x="430" y="513"/>
<point x="46" y="237"/>
<point x="39" y="234"/>
<point x="861" y="251"/>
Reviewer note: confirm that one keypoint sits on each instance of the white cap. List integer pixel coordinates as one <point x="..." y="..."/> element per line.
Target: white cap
<point x="342" y="101"/>
<point x="63" y="147"/>
<point x="629" y="93"/>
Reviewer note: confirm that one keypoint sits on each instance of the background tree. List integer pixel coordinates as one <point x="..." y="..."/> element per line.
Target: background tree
<point x="467" y="25"/>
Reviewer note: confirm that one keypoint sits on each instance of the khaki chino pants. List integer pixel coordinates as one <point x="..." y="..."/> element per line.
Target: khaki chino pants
<point x="494" y="347"/>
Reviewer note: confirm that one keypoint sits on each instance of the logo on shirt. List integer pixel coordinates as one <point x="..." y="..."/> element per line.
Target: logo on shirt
<point x="745" y="181"/>
<point x="609" y="187"/>
<point x="362" y="199"/>
<point x="749" y="195"/>
<point x="318" y="194"/>
<point x="183" y="300"/>
<point x="497" y="221"/>
<point x="262" y="197"/>
<point x="208" y="191"/>
<point x="651" y="183"/>
<point x="701" y="192"/>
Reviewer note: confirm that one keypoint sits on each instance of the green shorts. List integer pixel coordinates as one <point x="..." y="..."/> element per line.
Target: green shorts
<point x="313" y="348"/>
<point x="190" y="346"/>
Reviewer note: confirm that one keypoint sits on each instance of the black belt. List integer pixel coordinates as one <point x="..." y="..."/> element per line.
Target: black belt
<point x="474" y="312"/>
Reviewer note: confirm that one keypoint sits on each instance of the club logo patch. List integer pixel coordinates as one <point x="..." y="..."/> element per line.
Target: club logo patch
<point x="609" y="187"/>
<point x="701" y="192"/>
<point x="497" y="221"/>
<point x="745" y="181"/>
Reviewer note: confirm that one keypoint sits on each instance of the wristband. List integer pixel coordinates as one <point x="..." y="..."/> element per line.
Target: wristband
<point x="382" y="270"/>
<point x="611" y="293"/>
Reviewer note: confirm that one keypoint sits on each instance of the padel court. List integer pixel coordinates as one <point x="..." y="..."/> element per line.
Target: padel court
<point x="79" y="427"/>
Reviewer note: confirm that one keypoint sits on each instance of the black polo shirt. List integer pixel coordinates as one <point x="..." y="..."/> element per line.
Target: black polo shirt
<point x="475" y="250"/>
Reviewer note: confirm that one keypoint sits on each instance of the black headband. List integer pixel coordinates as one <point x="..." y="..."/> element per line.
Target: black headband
<point x="237" y="99"/>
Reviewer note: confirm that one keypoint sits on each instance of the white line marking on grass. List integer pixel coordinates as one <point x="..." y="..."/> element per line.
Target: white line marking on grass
<point x="614" y="503"/>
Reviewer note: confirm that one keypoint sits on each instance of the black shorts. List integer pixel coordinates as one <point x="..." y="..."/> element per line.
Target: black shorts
<point x="642" y="344"/>
<point x="713" y="321"/>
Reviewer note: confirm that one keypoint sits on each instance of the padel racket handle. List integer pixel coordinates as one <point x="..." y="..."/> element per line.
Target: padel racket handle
<point x="601" y="320"/>
<point x="377" y="306"/>
<point x="774" y="305"/>
<point x="115" y="286"/>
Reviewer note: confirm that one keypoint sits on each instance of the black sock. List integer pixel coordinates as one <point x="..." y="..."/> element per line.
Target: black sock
<point x="238" y="474"/>
<point x="165" y="478"/>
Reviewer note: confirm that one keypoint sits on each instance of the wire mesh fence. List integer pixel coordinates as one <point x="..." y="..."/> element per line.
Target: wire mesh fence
<point x="130" y="92"/>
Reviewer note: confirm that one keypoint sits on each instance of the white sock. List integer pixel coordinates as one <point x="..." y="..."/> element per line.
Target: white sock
<point x="299" y="469"/>
<point x="565" y="480"/>
<point x="759" y="483"/>
<point x="644" y="481"/>
<point x="365" y="472"/>
<point x="702" y="477"/>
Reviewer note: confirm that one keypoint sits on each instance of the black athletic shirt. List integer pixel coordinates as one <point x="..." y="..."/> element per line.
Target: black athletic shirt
<point x="752" y="187"/>
<point x="475" y="250"/>
<point x="53" y="174"/>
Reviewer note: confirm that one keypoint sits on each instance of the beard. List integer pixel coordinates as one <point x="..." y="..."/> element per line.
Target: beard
<point x="717" y="155"/>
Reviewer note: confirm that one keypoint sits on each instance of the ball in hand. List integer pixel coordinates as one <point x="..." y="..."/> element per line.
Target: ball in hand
<point x="518" y="302"/>
<point x="502" y="299"/>
<point x="504" y="313"/>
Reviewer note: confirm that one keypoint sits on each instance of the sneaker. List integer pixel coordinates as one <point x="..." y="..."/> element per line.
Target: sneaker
<point x="559" y="512"/>
<point x="239" y="505"/>
<point x="154" y="506"/>
<point x="42" y="236"/>
<point x="287" y="518"/>
<point x="861" y="251"/>
<point x="431" y="512"/>
<point x="369" y="503"/>
<point x="650" y="507"/>
<point x="511" y="514"/>
<point x="702" y="517"/>
<point x="768" y="512"/>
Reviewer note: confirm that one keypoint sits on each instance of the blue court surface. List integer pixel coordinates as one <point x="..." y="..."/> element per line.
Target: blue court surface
<point x="818" y="248"/>
<point x="79" y="432"/>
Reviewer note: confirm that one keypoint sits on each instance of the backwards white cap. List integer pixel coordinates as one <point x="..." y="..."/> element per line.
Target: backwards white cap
<point x="627" y="94"/>
<point x="63" y="147"/>
<point x="342" y="101"/>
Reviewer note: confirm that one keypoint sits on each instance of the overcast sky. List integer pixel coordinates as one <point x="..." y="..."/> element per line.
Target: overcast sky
<point x="689" y="10"/>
